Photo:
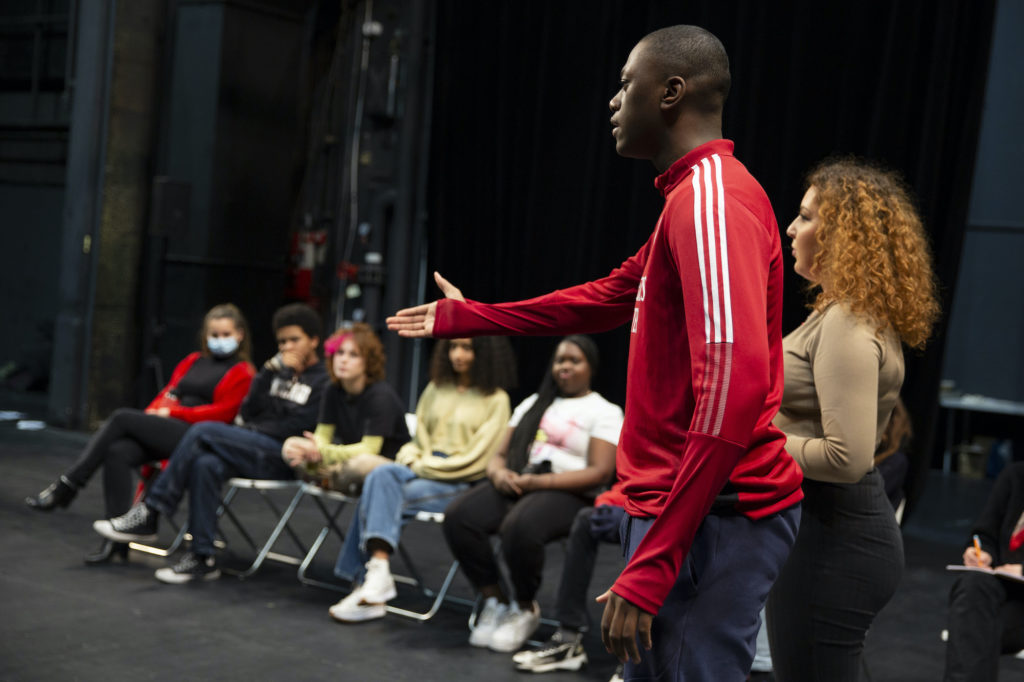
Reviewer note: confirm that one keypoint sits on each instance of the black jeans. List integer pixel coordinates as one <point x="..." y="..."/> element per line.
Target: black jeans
<point x="986" y="618"/>
<point x="843" y="568"/>
<point x="525" y="525"/>
<point x="129" y="439"/>
<point x="580" y="558"/>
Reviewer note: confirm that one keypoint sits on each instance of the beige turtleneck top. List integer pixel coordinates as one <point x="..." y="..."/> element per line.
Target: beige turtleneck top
<point x="841" y="383"/>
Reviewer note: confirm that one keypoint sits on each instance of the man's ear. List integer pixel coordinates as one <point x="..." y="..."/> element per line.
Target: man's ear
<point x="675" y="89"/>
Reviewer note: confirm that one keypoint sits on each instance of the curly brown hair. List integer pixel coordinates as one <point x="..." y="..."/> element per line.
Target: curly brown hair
<point x="370" y="348"/>
<point x="872" y="249"/>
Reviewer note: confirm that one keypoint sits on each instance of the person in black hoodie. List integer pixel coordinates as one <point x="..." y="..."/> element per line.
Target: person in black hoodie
<point x="283" y="401"/>
<point x="986" y="610"/>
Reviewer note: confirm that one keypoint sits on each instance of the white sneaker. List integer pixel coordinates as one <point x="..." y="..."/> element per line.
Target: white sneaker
<point x="354" y="609"/>
<point x="491" y="614"/>
<point x="378" y="586"/>
<point x="515" y="628"/>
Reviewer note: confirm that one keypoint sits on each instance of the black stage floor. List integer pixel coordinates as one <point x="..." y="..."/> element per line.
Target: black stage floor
<point x="65" y="620"/>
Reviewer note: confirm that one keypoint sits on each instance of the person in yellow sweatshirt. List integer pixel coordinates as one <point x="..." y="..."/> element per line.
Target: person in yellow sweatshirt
<point x="460" y="421"/>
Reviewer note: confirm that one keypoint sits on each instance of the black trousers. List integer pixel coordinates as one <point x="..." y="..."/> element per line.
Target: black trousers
<point x="524" y="524"/>
<point x="986" y="619"/>
<point x="844" y="567"/>
<point x="580" y="557"/>
<point x="127" y="440"/>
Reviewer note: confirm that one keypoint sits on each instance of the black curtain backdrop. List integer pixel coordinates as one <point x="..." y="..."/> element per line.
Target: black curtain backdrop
<point x="527" y="194"/>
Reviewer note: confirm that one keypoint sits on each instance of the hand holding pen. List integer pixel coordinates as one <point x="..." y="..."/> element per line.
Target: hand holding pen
<point x="976" y="556"/>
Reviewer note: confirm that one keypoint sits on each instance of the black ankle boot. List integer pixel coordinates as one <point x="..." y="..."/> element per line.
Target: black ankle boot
<point x="107" y="552"/>
<point x="59" y="494"/>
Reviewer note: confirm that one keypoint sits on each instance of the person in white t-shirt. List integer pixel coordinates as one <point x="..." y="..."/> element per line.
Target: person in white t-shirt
<point x="558" y="453"/>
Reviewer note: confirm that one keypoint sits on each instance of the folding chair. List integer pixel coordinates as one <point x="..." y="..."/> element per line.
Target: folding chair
<point x="415" y="580"/>
<point x="322" y="497"/>
<point x="266" y="550"/>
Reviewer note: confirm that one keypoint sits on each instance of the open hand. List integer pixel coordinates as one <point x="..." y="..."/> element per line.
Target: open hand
<point x="418" y="321"/>
<point x="621" y="623"/>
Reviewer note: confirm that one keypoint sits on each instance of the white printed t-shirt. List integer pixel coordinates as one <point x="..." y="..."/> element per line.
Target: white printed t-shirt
<point x="567" y="427"/>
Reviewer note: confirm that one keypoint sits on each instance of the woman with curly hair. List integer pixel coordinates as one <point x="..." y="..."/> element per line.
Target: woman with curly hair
<point x="362" y="419"/>
<point x="460" y="421"/>
<point x="860" y="244"/>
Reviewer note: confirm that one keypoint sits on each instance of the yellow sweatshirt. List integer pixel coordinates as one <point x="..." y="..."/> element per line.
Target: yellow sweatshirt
<point x="466" y="426"/>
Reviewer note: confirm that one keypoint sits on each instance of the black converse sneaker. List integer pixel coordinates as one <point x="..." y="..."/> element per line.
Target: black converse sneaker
<point x="564" y="651"/>
<point x="191" y="567"/>
<point x="138" y="524"/>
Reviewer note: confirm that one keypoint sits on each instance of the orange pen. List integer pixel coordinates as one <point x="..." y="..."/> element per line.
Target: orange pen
<point x="977" y="547"/>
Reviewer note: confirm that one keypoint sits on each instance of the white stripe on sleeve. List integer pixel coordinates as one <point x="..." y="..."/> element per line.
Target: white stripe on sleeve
<point x="699" y="230"/>
<point x="724" y="248"/>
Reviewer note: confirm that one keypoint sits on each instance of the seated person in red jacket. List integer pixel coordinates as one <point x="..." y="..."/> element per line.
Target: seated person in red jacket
<point x="208" y="385"/>
<point x="986" y="612"/>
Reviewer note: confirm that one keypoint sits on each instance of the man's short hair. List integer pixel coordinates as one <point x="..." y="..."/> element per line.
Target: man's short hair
<point x="698" y="56"/>
<point x="300" y="315"/>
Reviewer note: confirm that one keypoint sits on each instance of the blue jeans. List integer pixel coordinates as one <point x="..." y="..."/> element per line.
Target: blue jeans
<point x="391" y="493"/>
<point x="707" y="627"/>
<point x="209" y="454"/>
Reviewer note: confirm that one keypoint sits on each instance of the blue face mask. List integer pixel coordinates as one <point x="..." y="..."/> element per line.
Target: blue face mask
<point x="223" y="346"/>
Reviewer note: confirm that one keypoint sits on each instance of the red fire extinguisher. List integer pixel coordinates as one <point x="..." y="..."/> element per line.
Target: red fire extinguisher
<point x="308" y="250"/>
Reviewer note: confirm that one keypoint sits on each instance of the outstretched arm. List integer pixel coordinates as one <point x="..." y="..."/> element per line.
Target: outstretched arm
<point x="594" y="306"/>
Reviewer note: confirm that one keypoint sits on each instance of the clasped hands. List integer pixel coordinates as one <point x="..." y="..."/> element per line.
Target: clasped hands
<point x="299" y="450"/>
<point x="513" y="484"/>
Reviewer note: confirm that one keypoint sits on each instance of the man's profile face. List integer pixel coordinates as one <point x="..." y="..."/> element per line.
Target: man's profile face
<point x="636" y="111"/>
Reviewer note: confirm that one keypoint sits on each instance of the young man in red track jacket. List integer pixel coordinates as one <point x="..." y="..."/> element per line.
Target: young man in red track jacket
<point x="712" y="496"/>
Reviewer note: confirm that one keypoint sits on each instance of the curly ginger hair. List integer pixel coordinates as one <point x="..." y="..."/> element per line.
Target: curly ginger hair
<point x="872" y="249"/>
